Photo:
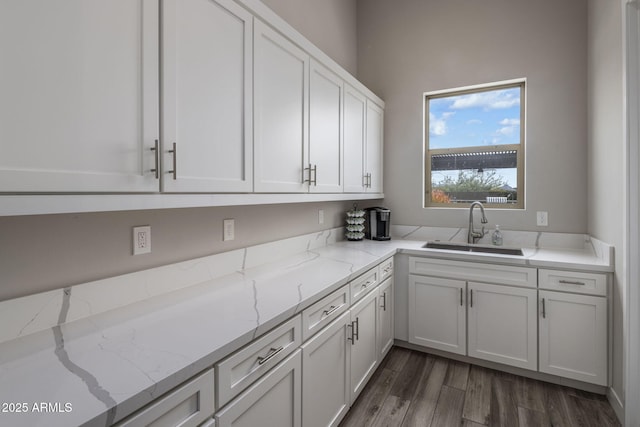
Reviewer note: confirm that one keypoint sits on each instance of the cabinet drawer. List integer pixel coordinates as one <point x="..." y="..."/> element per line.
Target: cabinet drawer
<point x="324" y="312"/>
<point x="361" y="286"/>
<point x="385" y="269"/>
<point x="573" y="281"/>
<point x="239" y="370"/>
<point x="475" y="271"/>
<point x="187" y="406"/>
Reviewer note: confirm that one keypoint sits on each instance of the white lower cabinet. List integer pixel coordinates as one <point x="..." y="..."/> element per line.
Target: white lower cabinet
<point x="487" y="321"/>
<point x="503" y="324"/>
<point x="437" y="313"/>
<point x="364" y="348"/>
<point x="325" y="375"/>
<point x="274" y="400"/>
<point x="385" y="318"/>
<point x="573" y="336"/>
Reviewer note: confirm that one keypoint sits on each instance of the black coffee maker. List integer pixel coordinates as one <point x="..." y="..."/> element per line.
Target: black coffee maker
<point x="377" y="223"/>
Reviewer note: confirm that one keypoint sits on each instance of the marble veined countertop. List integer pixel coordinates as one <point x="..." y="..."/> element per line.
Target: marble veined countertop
<point x="94" y="353"/>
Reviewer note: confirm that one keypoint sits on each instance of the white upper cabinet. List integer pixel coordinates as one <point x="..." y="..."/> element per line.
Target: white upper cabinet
<point x="79" y="95"/>
<point x="374" y="140"/>
<point x="355" y="110"/>
<point x="207" y="89"/>
<point x="325" y="130"/>
<point x="280" y="114"/>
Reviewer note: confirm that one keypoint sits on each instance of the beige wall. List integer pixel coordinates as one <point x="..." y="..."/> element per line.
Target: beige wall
<point x="329" y="24"/>
<point x="407" y="47"/>
<point x="45" y="252"/>
<point x="606" y="153"/>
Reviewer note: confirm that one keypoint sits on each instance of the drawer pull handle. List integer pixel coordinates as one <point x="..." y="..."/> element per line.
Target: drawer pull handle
<point x="544" y="310"/>
<point x="272" y="353"/>
<point x="331" y="310"/>
<point x="471" y="299"/>
<point x="572" y="282"/>
<point x="461" y="297"/>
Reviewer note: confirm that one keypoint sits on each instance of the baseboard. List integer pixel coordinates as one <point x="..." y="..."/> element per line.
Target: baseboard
<point x="616" y="404"/>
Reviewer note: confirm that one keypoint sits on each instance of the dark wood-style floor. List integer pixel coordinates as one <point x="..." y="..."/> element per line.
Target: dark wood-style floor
<point x="416" y="389"/>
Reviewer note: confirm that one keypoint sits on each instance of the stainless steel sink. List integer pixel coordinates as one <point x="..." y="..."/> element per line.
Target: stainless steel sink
<point x="463" y="247"/>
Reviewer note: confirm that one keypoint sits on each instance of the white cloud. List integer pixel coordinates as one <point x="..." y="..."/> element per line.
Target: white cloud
<point x="438" y="126"/>
<point x="474" y="122"/>
<point x="507" y="130"/>
<point x="510" y="122"/>
<point x="509" y="126"/>
<point x="493" y="100"/>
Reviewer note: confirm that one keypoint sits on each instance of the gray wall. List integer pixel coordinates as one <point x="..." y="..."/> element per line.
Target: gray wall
<point x="329" y="24"/>
<point x="407" y="47"/>
<point x="39" y="253"/>
<point x="44" y="252"/>
<point x="606" y="154"/>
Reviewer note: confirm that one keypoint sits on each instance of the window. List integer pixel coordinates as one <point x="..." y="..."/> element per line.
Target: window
<point x="474" y="146"/>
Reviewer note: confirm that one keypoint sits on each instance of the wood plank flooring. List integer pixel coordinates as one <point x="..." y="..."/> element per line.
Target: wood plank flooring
<point x="416" y="389"/>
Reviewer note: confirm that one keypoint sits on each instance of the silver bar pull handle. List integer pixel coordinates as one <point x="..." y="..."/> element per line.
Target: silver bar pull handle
<point x="315" y="175"/>
<point x="572" y="282"/>
<point x="356" y="329"/>
<point x="156" y="156"/>
<point x="461" y="304"/>
<point x="369" y="179"/>
<point x="364" y="180"/>
<point x="544" y="310"/>
<point x="175" y="162"/>
<point x="384" y="302"/>
<point x="272" y="353"/>
<point x="331" y="309"/>
<point x="471" y="297"/>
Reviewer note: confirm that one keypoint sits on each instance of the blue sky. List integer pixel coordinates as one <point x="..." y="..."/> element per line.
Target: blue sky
<point x="477" y="119"/>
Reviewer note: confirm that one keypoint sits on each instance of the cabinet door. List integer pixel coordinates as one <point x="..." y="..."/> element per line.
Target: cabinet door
<point x="274" y="400"/>
<point x="385" y="318"/>
<point x="355" y="108"/>
<point x="80" y="95"/>
<point x="280" y="115"/>
<point x="363" y="342"/>
<point x="503" y="324"/>
<point x="325" y="375"/>
<point x="374" y="147"/>
<point x="207" y="83"/>
<point x="573" y="336"/>
<point x="325" y="130"/>
<point x="437" y="313"/>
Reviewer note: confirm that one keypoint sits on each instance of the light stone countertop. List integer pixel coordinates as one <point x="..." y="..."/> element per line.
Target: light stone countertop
<point x="107" y="364"/>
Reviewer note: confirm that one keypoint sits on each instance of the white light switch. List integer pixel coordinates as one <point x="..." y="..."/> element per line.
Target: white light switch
<point x="229" y="233"/>
<point x="320" y="216"/>
<point x="542" y="219"/>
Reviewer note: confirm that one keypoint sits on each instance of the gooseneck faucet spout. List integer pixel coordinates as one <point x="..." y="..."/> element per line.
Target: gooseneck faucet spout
<point x="473" y="235"/>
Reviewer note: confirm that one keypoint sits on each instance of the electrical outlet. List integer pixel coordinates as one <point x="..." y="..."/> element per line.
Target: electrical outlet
<point x="321" y="216"/>
<point x="229" y="231"/>
<point x="142" y="240"/>
<point x="542" y="219"/>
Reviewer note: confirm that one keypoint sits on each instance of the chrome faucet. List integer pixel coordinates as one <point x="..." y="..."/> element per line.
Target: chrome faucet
<point x="473" y="235"/>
